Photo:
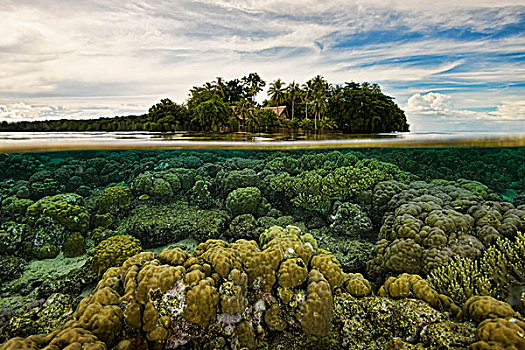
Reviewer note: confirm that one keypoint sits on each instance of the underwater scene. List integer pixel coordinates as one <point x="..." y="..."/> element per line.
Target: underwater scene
<point x="362" y="248"/>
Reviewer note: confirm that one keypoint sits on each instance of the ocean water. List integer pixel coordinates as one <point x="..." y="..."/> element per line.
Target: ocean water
<point x="190" y="241"/>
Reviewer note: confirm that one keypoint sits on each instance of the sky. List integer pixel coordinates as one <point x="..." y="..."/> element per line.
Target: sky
<point x="451" y="65"/>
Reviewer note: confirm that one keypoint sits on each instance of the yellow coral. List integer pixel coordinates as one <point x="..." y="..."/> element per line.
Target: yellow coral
<point x="273" y="318"/>
<point x="292" y="273"/>
<point x="100" y="314"/>
<point x="357" y="285"/>
<point x="315" y="314"/>
<point x="202" y="303"/>
<point x="328" y="265"/>
<point x="114" y="251"/>
<point x="480" y="308"/>
<point x="246" y="335"/>
<point x="233" y="292"/>
<point x="500" y="333"/>
<point x="414" y="286"/>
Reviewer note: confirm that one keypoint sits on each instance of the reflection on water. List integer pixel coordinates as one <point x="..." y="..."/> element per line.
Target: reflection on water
<point x="48" y="141"/>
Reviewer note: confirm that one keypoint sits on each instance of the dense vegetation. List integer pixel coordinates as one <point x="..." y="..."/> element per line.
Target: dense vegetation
<point x="224" y="106"/>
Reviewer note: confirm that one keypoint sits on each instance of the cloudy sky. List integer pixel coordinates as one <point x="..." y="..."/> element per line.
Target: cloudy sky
<point x="451" y="65"/>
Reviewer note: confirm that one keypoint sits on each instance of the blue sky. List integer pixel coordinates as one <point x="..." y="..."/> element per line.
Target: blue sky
<point x="450" y="65"/>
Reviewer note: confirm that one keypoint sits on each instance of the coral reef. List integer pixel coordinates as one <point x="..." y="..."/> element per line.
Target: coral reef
<point x="158" y="184"/>
<point x="350" y="220"/>
<point x="325" y="249"/>
<point x="74" y="245"/>
<point x="224" y="290"/>
<point x="427" y="224"/>
<point x="414" y="286"/>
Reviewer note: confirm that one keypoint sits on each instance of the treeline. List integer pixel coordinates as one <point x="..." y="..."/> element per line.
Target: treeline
<point x="230" y="105"/>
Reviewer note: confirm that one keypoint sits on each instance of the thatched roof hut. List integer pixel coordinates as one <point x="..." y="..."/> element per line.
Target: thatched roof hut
<point x="281" y="111"/>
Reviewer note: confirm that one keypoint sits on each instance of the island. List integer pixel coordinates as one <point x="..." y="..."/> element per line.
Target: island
<point x="231" y="105"/>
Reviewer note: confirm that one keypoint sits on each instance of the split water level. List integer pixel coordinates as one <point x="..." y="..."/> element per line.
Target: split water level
<point x="262" y="241"/>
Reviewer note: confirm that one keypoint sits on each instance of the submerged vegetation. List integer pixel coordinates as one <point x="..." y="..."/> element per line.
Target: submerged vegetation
<point x="359" y="249"/>
<point x="230" y="105"/>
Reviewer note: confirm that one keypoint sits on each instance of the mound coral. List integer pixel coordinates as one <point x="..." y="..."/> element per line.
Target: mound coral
<point x="114" y="251"/>
<point x="67" y="209"/>
<point x="247" y="200"/>
<point x="114" y="198"/>
<point x="414" y="286"/>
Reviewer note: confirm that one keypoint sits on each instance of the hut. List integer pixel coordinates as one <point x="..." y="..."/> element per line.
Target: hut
<point x="281" y="111"/>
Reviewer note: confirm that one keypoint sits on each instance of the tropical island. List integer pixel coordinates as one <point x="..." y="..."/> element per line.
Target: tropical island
<point x="230" y="105"/>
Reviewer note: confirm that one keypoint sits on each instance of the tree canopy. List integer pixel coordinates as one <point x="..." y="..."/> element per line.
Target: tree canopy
<point x="231" y="105"/>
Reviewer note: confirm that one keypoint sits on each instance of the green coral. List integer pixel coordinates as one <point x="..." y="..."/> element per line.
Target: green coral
<point x="201" y="193"/>
<point x="352" y="254"/>
<point x="243" y="226"/>
<point x="162" y="224"/>
<point x="14" y="206"/>
<point x="247" y="200"/>
<point x="316" y="187"/>
<point x="239" y="178"/>
<point x="46" y="251"/>
<point x="67" y="209"/>
<point x="159" y="184"/>
<point x="74" y="245"/>
<point x="114" y="198"/>
<point x="114" y="251"/>
<point x="12" y="237"/>
<point x="350" y="220"/>
<point x="11" y="267"/>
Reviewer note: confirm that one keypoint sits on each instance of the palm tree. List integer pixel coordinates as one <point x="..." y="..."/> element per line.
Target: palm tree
<point x="276" y="92"/>
<point x="320" y="92"/>
<point x="244" y="109"/>
<point x="221" y="87"/>
<point x="307" y="88"/>
<point x="253" y="84"/>
<point x="293" y="91"/>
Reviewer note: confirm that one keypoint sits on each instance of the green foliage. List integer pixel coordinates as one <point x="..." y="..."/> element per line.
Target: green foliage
<point x="352" y="108"/>
<point x="265" y="118"/>
<point x="169" y="115"/>
<point x="362" y="108"/>
<point x="211" y="114"/>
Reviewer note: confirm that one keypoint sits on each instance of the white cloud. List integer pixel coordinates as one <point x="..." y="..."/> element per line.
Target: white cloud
<point x="511" y="110"/>
<point x="435" y="112"/>
<point x="431" y="102"/>
<point x="21" y="111"/>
